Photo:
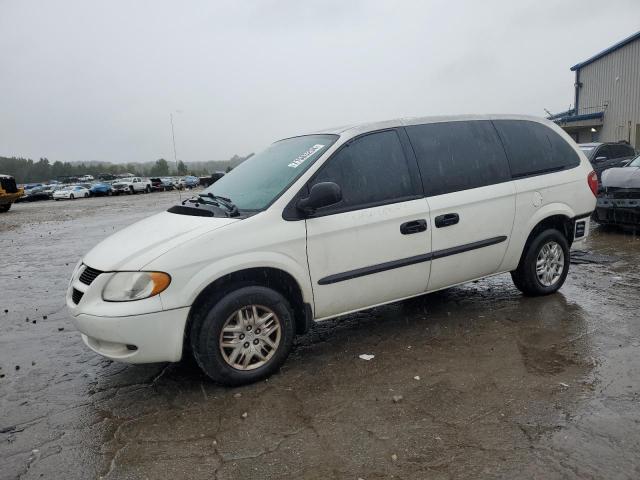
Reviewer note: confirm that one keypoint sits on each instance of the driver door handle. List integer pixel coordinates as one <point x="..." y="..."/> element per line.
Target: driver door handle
<point x="414" y="226"/>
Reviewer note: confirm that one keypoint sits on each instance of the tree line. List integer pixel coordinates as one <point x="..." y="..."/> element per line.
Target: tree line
<point x="26" y="170"/>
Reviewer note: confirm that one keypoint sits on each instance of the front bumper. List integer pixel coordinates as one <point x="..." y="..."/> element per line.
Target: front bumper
<point x="147" y="338"/>
<point x="618" y="211"/>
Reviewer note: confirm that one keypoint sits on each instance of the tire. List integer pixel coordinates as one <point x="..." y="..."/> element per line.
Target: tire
<point x="5" y="208"/>
<point x="148" y="189"/>
<point x="86" y="195"/>
<point x="72" y="197"/>
<point x="109" y="193"/>
<point x="131" y="191"/>
<point x="526" y="277"/>
<point x="207" y="330"/>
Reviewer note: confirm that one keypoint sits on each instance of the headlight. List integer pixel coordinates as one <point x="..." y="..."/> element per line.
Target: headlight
<point x="128" y="286"/>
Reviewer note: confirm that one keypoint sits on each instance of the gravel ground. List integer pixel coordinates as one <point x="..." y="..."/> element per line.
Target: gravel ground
<point x="472" y="382"/>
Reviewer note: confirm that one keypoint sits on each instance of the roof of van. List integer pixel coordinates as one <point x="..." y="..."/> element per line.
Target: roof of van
<point x="358" y="128"/>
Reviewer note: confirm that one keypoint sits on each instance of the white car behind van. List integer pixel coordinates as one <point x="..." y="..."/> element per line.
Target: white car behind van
<point x="329" y="223"/>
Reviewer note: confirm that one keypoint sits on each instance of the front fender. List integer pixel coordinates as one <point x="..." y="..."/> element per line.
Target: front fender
<point x="193" y="285"/>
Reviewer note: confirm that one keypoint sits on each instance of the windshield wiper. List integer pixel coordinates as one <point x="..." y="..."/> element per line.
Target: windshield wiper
<point x="225" y="202"/>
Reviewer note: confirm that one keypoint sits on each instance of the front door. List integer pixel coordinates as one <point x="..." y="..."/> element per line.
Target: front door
<point x="373" y="246"/>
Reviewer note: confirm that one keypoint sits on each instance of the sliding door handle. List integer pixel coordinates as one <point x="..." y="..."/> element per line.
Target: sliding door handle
<point x="447" y="220"/>
<point x="415" y="226"/>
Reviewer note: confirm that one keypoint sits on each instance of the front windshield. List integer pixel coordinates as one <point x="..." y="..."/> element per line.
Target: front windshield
<point x="635" y="162"/>
<point x="257" y="181"/>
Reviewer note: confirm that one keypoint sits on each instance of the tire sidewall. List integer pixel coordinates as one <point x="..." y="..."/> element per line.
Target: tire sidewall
<point x="532" y="255"/>
<point x="205" y="336"/>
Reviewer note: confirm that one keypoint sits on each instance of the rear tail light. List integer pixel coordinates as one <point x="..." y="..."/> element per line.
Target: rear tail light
<point x="592" y="180"/>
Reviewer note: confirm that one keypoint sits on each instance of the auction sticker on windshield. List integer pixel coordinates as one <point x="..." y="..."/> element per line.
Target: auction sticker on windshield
<point x="301" y="158"/>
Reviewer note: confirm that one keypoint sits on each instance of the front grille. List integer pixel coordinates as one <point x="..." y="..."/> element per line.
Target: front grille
<point x="76" y="296"/>
<point x="89" y="275"/>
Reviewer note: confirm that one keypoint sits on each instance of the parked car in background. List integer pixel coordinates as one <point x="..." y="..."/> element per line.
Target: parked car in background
<point x="211" y="179"/>
<point x="607" y="155"/>
<point x="347" y="219"/>
<point x="168" y="183"/>
<point x="86" y="178"/>
<point x="131" y="185"/>
<point x="9" y="192"/>
<point x="190" y="181"/>
<point x="34" y="194"/>
<point x="49" y="189"/>
<point x="101" y="189"/>
<point x="619" y="202"/>
<point x="71" y="192"/>
<point x="156" y="184"/>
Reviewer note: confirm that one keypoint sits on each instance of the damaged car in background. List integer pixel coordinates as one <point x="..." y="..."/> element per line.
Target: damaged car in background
<point x="619" y="202"/>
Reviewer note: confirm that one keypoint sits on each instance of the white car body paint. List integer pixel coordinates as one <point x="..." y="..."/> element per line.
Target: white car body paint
<point x="196" y="251"/>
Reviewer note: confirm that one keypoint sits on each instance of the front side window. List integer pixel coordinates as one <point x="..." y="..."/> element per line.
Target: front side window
<point x="455" y="156"/>
<point x="635" y="162"/>
<point x="370" y="170"/>
<point x="534" y="149"/>
<point x="260" y="179"/>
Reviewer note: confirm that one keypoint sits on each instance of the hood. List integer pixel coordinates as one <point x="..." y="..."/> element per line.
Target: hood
<point x="625" y="177"/>
<point x="133" y="247"/>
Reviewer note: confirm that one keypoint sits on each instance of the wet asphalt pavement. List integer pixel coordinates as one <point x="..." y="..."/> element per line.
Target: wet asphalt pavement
<point x="487" y="383"/>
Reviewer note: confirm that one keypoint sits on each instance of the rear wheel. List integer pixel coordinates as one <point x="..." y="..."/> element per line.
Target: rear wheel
<point x="244" y="337"/>
<point x="5" y="207"/>
<point x="86" y="195"/>
<point x="72" y="197"/>
<point x="544" y="265"/>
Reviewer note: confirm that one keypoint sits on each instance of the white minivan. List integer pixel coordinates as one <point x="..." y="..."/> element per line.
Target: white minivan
<point x="321" y="225"/>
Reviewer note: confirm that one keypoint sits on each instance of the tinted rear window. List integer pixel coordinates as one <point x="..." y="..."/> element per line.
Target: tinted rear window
<point x="620" y="151"/>
<point x="456" y="156"/>
<point x="534" y="149"/>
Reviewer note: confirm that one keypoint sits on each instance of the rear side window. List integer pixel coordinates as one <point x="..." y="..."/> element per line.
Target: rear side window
<point x="620" y="151"/>
<point x="371" y="170"/>
<point x="456" y="156"/>
<point x="534" y="149"/>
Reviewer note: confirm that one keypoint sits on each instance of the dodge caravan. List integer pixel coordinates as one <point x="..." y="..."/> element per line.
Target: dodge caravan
<point x="321" y="225"/>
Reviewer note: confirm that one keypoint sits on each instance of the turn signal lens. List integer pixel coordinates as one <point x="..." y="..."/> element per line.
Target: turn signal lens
<point x="129" y="286"/>
<point x="592" y="180"/>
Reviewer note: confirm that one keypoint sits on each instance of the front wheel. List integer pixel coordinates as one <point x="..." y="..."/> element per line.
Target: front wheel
<point x="544" y="264"/>
<point x="72" y="197"/>
<point x="5" y="207"/>
<point x="244" y="337"/>
<point x="86" y="195"/>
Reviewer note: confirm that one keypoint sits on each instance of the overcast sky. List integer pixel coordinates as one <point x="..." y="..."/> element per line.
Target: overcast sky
<point x="84" y="80"/>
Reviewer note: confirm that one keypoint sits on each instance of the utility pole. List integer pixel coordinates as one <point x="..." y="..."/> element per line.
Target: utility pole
<point x="175" y="155"/>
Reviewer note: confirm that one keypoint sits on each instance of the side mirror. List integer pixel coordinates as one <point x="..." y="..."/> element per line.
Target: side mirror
<point x="322" y="194"/>
<point x="601" y="159"/>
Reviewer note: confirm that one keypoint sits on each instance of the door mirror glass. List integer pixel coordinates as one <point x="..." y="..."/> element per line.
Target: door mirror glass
<point x="600" y="159"/>
<point x="322" y="194"/>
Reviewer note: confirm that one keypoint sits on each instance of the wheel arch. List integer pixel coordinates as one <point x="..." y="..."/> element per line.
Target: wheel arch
<point x="561" y="219"/>
<point x="272" y="277"/>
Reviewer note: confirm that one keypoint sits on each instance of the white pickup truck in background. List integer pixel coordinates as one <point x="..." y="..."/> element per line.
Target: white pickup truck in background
<point x="131" y="185"/>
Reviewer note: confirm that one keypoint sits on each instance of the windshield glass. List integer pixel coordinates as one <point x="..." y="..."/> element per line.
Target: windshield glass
<point x="635" y="162"/>
<point x="257" y="181"/>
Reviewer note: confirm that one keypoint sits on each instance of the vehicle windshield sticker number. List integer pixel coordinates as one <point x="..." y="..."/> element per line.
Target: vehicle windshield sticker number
<point x="301" y="158"/>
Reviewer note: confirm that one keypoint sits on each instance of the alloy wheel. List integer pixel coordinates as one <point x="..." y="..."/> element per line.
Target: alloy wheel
<point x="250" y="337"/>
<point x="550" y="263"/>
